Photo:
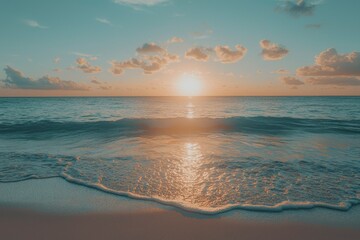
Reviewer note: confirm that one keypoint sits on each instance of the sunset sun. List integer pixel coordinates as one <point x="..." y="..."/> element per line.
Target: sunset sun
<point x="189" y="85"/>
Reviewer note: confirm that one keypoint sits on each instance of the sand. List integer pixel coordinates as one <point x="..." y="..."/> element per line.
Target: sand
<point x="56" y="209"/>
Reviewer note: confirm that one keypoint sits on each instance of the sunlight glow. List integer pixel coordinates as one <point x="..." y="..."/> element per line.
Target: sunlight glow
<point x="189" y="85"/>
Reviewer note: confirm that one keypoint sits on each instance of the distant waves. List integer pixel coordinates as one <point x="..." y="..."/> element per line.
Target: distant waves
<point x="249" y="125"/>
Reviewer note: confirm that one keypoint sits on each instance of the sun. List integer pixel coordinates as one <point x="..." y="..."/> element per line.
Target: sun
<point x="189" y="85"/>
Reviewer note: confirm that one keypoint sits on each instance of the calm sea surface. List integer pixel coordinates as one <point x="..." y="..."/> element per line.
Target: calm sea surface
<point x="205" y="154"/>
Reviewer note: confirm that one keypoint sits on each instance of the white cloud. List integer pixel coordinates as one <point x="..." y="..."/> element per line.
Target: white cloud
<point x="104" y="21"/>
<point x="34" y="24"/>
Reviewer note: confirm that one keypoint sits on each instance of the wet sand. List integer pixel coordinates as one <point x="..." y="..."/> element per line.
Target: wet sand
<point x="23" y="224"/>
<point x="55" y="209"/>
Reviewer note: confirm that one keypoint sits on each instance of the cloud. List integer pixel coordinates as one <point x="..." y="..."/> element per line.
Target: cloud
<point x="138" y="3"/>
<point x="202" y="34"/>
<point x="281" y="71"/>
<point x="288" y="80"/>
<point x="272" y="51"/>
<point x="330" y="63"/>
<point x="336" y="81"/>
<point x="175" y="40"/>
<point x="150" y="48"/>
<point x="56" y="60"/>
<point x="226" y="55"/>
<point x="34" y="24"/>
<point x="95" y="81"/>
<point x="104" y="21"/>
<point x="89" y="56"/>
<point x="101" y="85"/>
<point x="198" y="53"/>
<point x="105" y="87"/>
<point x="16" y="79"/>
<point x="332" y="68"/>
<point x="313" y="26"/>
<point x="86" y="67"/>
<point x="151" y="59"/>
<point x="297" y="8"/>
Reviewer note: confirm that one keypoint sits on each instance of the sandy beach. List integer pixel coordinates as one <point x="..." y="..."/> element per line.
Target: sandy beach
<point x="22" y="224"/>
<point x="56" y="209"/>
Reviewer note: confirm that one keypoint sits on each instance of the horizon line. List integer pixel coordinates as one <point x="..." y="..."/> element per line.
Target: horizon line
<point x="79" y="96"/>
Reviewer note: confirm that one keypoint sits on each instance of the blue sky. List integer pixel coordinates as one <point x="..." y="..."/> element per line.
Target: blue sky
<point x="78" y="43"/>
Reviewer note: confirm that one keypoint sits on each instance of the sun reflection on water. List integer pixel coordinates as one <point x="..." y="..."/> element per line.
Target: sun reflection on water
<point x="190" y="111"/>
<point x="191" y="161"/>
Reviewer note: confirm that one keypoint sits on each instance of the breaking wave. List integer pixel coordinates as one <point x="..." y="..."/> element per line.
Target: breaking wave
<point x="255" y="125"/>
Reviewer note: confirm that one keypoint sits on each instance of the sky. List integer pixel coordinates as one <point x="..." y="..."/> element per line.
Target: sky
<point x="149" y="47"/>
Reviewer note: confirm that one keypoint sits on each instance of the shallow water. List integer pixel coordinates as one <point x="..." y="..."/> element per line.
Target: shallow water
<point x="203" y="154"/>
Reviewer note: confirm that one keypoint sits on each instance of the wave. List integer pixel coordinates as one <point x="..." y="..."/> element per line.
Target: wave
<point x="16" y="167"/>
<point x="256" y="125"/>
<point x="278" y="207"/>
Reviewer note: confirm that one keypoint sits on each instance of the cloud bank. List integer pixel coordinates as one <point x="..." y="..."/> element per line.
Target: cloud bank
<point x="330" y="63"/>
<point x="332" y="68"/>
<point x="16" y="79"/>
<point x="272" y="51"/>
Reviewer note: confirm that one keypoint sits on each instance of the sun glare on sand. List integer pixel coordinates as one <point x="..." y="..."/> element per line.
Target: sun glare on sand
<point x="189" y="85"/>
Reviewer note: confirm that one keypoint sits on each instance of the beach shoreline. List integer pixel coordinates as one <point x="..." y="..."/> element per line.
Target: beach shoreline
<point x="153" y="225"/>
<point x="56" y="209"/>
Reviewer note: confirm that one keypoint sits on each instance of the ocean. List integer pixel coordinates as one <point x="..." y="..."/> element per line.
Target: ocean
<point x="201" y="154"/>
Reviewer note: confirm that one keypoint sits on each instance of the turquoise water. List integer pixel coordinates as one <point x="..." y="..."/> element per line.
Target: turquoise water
<point x="206" y="154"/>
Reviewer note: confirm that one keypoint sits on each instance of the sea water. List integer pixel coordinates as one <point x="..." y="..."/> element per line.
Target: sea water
<point x="203" y="154"/>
